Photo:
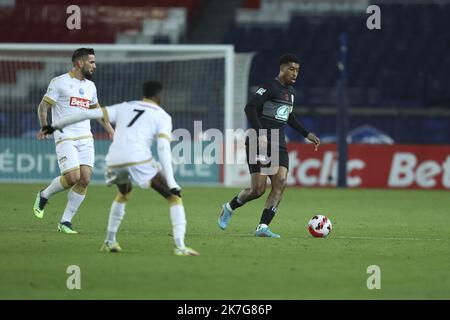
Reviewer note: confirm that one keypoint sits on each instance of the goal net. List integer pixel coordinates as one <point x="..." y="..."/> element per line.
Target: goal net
<point x="201" y="83"/>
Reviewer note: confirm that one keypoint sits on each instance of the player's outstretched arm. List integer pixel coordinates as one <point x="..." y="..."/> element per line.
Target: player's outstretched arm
<point x="60" y="124"/>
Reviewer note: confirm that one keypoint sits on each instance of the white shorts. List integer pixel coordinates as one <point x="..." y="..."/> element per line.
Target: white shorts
<point x="141" y="174"/>
<point x="71" y="154"/>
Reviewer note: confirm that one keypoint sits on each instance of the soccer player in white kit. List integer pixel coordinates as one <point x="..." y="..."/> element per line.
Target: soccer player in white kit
<point x="69" y="94"/>
<point x="138" y="125"/>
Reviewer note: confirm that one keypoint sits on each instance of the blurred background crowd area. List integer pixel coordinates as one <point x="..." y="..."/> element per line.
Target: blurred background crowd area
<point x="398" y="76"/>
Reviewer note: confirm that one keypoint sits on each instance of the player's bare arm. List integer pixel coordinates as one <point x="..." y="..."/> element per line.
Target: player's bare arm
<point x="42" y="115"/>
<point x="104" y="123"/>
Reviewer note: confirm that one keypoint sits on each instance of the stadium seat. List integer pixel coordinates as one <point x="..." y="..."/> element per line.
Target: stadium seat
<point x="411" y="44"/>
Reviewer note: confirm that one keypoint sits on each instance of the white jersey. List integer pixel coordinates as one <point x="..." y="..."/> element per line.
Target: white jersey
<point x="138" y="124"/>
<point x="69" y="96"/>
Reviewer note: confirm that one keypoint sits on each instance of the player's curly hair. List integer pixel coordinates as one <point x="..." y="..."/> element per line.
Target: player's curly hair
<point x="289" y="57"/>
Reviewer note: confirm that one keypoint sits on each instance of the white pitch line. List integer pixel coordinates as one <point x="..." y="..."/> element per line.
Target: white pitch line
<point x="391" y="238"/>
<point x="331" y="237"/>
<point x="220" y="234"/>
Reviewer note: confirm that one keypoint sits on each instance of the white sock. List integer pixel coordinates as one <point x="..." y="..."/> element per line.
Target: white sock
<point x="115" y="218"/>
<point x="260" y="226"/>
<point x="178" y="218"/>
<point x="75" y="200"/>
<point x="54" y="187"/>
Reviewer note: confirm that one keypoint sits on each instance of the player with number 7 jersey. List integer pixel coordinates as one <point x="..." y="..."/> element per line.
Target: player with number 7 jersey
<point x="129" y="159"/>
<point x="138" y="125"/>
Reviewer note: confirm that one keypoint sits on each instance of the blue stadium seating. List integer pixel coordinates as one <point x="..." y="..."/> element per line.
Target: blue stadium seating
<point x="404" y="64"/>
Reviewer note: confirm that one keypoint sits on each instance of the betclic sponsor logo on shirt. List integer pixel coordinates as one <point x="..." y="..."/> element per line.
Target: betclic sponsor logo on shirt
<point x="79" y="102"/>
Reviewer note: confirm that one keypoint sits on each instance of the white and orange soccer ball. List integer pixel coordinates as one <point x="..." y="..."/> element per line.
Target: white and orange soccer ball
<point x="320" y="226"/>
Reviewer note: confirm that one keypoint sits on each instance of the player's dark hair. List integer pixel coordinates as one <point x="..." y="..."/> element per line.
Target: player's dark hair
<point x="81" y="52"/>
<point x="289" y="57"/>
<point x="151" y="88"/>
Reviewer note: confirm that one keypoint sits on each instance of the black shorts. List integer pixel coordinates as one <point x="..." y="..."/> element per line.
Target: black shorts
<point x="256" y="167"/>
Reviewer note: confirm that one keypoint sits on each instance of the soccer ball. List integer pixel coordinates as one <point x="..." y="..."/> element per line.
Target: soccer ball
<point x="319" y="226"/>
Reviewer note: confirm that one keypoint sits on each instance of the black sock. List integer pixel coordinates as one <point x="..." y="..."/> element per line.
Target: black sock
<point x="267" y="215"/>
<point x="235" y="203"/>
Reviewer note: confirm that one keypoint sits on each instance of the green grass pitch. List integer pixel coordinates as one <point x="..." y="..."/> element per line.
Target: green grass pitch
<point x="405" y="233"/>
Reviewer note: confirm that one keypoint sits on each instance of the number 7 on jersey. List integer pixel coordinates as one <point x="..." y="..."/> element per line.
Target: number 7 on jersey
<point x="139" y="113"/>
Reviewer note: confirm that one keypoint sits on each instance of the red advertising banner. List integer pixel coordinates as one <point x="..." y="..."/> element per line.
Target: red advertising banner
<point x="372" y="166"/>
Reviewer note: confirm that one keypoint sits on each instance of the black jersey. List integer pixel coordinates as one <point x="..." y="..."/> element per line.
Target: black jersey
<point x="274" y="104"/>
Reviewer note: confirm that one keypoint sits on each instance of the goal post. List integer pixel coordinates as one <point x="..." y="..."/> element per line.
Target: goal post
<point x="205" y="83"/>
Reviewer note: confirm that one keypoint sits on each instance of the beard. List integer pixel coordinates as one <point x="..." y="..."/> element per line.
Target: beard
<point x="88" y="75"/>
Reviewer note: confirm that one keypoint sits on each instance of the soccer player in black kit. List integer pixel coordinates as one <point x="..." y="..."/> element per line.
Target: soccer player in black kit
<point x="269" y="108"/>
